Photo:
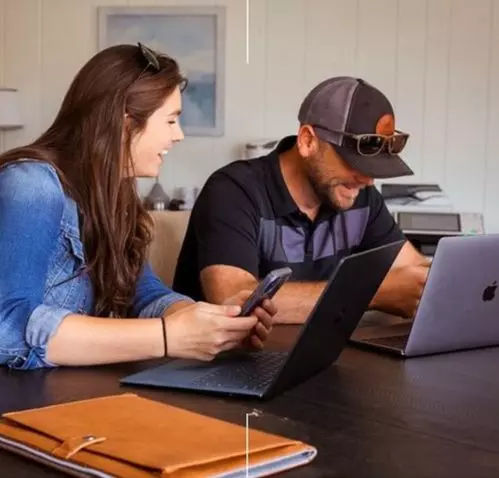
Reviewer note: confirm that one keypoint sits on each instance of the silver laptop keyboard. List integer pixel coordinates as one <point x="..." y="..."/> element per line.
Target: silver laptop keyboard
<point x="254" y="371"/>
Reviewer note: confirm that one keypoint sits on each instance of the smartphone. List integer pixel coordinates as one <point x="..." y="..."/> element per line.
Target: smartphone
<point x="266" y="289"/>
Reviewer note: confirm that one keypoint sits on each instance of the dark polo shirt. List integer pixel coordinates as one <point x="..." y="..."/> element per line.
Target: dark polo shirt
<point x="245" y="217"/>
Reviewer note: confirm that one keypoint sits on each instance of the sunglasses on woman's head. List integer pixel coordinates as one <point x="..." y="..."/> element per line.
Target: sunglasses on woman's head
<point x="150" y="56"/>
<point x="370" y="144"/>
<point x="153" y="59"/>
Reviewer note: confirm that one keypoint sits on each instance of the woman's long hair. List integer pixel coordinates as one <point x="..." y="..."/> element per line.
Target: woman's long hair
<point x="89" y="145"/>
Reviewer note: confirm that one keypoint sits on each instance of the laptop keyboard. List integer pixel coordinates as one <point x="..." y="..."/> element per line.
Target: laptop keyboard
<point x="254" y="371"/>
<point x="395" y="341"/>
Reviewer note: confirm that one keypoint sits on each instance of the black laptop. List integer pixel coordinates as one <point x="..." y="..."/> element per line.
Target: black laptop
<point x="264" y="374"/>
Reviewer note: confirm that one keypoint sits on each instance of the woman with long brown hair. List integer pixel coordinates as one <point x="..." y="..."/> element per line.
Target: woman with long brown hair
<point x="74" y="234"/>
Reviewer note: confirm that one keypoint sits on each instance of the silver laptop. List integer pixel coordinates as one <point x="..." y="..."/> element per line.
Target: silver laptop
<point x="459" y="308"/>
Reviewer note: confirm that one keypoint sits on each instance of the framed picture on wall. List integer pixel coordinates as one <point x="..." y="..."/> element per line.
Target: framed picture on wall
<point x="195" y="37"/>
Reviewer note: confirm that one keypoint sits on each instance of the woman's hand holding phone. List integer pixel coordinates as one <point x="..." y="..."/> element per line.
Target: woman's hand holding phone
<point x="264" y="313"/>
<point x="259" y="303"/>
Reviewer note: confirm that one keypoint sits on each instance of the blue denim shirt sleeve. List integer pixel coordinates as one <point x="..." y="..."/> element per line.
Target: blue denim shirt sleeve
<point x="31" y="207"/>
<point x="32" y="203"/>
<point x="152" y="297"/>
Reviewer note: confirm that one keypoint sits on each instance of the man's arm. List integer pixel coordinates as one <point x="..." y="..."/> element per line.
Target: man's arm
<point x="402" y="287"/>
<point x="294" y="301"/>
<point x="410" y="256"/>
<point x="223" y="229"/>
<point x="398" y="293"/>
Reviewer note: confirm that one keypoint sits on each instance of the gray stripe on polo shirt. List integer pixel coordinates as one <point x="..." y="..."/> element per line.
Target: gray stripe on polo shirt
<point x="323" y="239"/>
<point x="293" y="240"/>
<point x="287" y="244"/>
<point x="270" y="242"/>
<point x="355" y="225"/>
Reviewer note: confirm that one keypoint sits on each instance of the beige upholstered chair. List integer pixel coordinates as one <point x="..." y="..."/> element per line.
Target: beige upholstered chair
<point x="168" y="235"/>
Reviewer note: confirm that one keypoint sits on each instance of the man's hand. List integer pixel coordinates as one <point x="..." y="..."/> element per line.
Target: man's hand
<point x="401" y="290"/>
<point x="263" y="313"/>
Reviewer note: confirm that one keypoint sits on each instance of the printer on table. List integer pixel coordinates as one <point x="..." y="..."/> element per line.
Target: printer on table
<point x="425" y="214"/>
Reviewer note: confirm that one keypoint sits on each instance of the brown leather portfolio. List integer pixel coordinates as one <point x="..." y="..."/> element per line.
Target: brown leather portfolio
<point x="133" y="437"/>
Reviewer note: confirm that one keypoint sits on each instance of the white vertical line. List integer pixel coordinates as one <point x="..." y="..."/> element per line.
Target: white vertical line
<point x="247" y="440"/>
<point x="247" y="30"/>
<point x="254" y="413"/>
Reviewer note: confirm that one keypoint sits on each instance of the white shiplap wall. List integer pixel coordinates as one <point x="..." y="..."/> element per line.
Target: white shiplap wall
<point x="438" y="60"/>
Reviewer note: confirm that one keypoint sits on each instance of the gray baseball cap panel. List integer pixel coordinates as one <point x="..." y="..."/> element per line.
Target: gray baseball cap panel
<point x="351" y="105"/>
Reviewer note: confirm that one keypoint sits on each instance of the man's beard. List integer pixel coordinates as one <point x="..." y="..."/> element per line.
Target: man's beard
<point x="322" y="189"/>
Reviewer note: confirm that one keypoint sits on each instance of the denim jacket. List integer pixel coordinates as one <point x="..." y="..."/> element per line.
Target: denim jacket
<point x="41" y="255"/>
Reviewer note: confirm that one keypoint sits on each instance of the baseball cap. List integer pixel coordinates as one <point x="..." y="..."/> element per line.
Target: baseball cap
<point x="352" y="106"/>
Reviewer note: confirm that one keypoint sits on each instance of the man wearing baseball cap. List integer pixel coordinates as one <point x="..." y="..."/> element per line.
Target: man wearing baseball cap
<point x="306" y="205"/>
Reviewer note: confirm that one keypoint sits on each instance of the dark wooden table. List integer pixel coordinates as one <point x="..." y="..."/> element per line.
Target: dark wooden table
<point x="369" y="415"/>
